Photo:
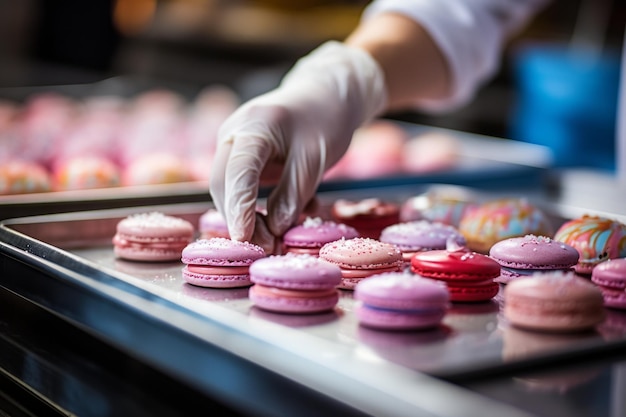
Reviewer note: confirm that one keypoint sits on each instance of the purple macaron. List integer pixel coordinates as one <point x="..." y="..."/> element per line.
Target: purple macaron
<point x="419" y="236"/>
<point x="309" y="236"/>
<point x="294" y="283"/>
<point x="523" y="256"/>
<point x="401" y="301"/>
<point x="610" y="276"/>
<point x="219" y="262"/>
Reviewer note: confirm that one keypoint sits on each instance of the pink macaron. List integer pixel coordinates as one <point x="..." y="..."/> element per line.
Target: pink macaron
<point x="361" y="257"/>
<point x="294" y="283"/>
<point x="553" y="301"/>
<point x="152" y="236"/>
<point x="420" y="235"/>
<point x="610" y="277"/>
<point x="212" y="224"/>
<point x="400" y="301"/>
<point x="523" y="256"/>
<point x="219" y="262"/>
<point x="309" y="236"/>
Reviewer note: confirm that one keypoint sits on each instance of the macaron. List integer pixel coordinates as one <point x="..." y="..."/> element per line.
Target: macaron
<point x="445" y="204"/>
<point x="420" y="235"/>
<point x="294" y="283"/>
<point x="368" y="216"/>
<point x="212" y="224"/>
<point x="361" y="257"/>
<point x="501" y="219"/>
<point x="219" y="262"/>
<point x="554" y="301"/>
<point x="400" y="301"/>
<point x="21" y="177"/>
<point x="313" y="233"/>
<point x="469" y="275"/>
<point x="523" y="256"/>
<point x="610" y="277"/>
<point x="152" y="236"/>
<point x="595" y="238"/>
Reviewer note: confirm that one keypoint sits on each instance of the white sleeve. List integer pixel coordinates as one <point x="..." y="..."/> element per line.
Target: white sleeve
<point x="470" y="33"/>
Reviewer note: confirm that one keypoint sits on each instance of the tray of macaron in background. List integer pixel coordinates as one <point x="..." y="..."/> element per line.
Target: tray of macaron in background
<point x="449" y="281"/>
<point x="122" y="142"/>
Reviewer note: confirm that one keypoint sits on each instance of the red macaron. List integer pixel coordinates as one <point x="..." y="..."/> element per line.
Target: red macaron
<point x="469" y="275"/>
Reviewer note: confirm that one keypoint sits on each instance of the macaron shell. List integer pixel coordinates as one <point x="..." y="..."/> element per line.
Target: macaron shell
<point x="455" y="265"/>
<point x="221" y="251"/>
<point x="534" y="252"/>
<point x="420" y="235"/>
<point x="483" y="291"/>
<point x="315" y="232"/>
<point x="302" y="272"/>
<point x="610" y="277"/>
<point x="154" y="225"/>
<point x="611" y="273"/>
<point x="361" y="253"/>
<point x="297" y="302"/>
<point x="216" y="281"/>
<point x="397" y="320"/>
<point x="213" y="224"/>
<point x="402" y="291"/>
<point x="148" y="254"/>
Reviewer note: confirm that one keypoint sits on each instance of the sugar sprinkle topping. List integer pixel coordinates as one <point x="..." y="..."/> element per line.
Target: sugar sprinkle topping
<point x="155" y="219"/>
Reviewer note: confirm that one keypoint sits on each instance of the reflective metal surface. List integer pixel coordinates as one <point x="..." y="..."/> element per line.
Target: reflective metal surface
<point x="218" y="342"/>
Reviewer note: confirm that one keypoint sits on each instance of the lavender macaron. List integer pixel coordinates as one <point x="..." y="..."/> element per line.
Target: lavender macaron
<point x="401" y="301"/>
<point x="523" y="256"/>
<point x="420" y="235"/>
<point x="309" y="236"/>
<point x="294" y="283"/>
<point x="219" y="262"/>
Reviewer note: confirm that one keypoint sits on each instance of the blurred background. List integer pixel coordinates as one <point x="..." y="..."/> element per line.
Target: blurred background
<point x="557" y="85"/>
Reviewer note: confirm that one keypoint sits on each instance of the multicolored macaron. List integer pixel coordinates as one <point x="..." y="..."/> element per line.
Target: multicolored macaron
<point x="294" y="283"/>
<point x="610" y="277"/>
<point x="554" y="301"/>
<point x="400" y="301"/>
<point x="368" y="216"/>
<point x="501" y="219"/>
<point x="360" y="258"/>
<point x="212" y="224"/>
<point x="523" y="256"/>
<point x="219" y="262"/>
<point x="420" y="235"/>
<point x="152" y="236"/>
<point x="595" y="238"/>
<point x="313" y="233"/>
<point x="469" y="275"/>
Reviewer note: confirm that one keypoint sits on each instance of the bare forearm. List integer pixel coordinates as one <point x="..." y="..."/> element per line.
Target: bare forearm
<point x="413" y="65"/>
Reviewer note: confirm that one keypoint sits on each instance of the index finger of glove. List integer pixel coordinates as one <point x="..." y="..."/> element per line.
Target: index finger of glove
<point x="242" y="170"/>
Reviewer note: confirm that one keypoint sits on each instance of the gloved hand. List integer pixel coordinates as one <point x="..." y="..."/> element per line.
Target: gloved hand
<point x="290" y="136"/>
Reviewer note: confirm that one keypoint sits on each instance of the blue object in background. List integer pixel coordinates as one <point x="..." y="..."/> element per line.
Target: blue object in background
<point x="568" y="102"/>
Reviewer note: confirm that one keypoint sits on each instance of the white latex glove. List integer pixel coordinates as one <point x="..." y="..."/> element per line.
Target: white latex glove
<point x="290" y="137"/>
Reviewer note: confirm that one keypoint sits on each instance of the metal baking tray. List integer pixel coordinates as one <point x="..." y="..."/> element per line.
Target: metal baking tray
<point x="147" y="309"/>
